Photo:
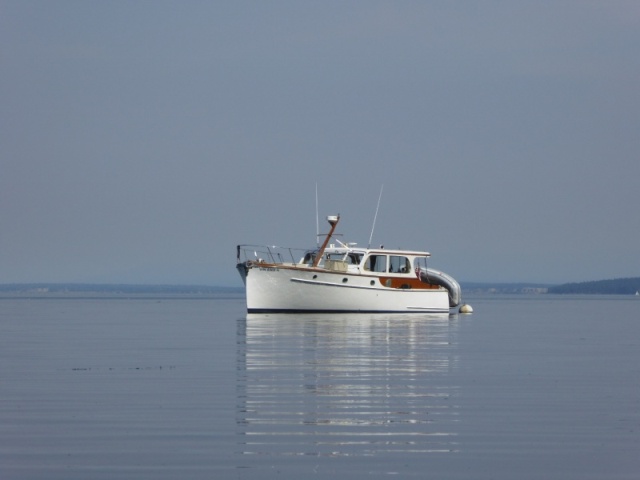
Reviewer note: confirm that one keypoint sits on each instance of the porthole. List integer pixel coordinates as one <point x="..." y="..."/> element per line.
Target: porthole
<point x="315" y="276"/>
<point x="373" y="283"/>
<point x="345" y="280"/>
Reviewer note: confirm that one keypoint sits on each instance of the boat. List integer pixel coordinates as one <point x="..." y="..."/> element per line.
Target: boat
<point x="340" y="277"/>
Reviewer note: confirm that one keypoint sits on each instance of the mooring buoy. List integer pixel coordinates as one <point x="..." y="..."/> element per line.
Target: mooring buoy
<point x="466" y="308"/>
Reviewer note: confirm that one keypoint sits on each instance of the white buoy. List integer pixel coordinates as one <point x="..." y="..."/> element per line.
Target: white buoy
<point x="466" y="308"/>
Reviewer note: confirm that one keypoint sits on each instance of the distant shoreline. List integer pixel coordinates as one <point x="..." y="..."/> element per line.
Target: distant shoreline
<point x="88" y="291"/>
<point x="621" y="286"/>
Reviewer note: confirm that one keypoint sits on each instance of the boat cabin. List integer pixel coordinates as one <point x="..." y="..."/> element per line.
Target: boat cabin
<point x="377" y="261"/>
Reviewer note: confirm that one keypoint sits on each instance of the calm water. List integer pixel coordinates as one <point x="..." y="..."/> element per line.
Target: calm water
<point x="536" y="387"/>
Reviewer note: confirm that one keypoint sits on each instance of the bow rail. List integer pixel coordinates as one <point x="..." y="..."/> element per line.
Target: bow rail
<point x="269" y="254"/>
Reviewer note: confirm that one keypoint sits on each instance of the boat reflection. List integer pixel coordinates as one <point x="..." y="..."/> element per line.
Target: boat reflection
<point x="346" y="385"/>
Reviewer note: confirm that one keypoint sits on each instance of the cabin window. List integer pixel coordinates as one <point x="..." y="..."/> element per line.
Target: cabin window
<point x="399" y="264"/>
<point x="354" y="258"/>
<point x="376" y="263"/>
<point x="420" y="262"/>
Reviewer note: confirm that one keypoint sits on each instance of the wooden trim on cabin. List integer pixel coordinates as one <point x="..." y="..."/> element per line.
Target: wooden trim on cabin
<point x="406" y="283"/>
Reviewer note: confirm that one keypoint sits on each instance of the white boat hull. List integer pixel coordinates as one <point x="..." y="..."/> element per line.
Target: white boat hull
<point x="294" y="289"/>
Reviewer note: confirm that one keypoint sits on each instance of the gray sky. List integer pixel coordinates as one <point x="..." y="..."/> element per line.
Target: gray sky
<point x="141" y="141"/>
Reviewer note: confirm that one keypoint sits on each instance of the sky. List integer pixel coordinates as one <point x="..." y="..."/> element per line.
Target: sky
<point x="140" y="142"/>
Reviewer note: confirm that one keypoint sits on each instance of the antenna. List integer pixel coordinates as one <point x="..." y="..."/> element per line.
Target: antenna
<point x="375" y="216"/>
<point x="317" y="221"/>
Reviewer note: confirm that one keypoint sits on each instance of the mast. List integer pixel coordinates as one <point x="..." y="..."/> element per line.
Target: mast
<point x="317" y="222"/>
<point x="375" y="216"/>
<point x="333" y="221"/>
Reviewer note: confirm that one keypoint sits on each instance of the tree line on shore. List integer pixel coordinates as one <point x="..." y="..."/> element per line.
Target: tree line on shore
<point x="616" y="286"/>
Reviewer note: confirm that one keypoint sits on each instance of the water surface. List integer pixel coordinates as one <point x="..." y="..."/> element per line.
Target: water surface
<point x="526" y="387"/>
